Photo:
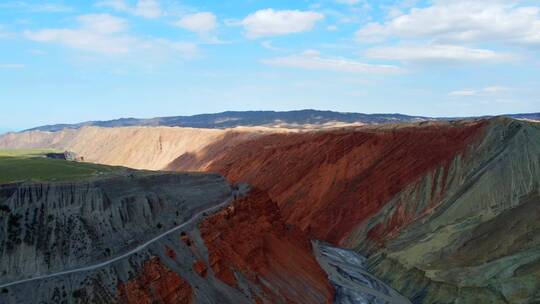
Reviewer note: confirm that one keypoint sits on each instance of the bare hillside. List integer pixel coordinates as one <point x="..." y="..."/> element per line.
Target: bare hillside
<point x="136" y="147"/>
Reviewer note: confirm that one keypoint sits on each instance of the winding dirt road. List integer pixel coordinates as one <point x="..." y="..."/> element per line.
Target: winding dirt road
<point x="135" y="250"/>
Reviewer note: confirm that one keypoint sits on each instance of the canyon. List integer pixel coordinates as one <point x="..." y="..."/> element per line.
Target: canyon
<point x="423" y="212"/>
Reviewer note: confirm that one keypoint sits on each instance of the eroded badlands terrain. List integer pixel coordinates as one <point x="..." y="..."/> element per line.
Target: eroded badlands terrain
<point x="425" y="212"/>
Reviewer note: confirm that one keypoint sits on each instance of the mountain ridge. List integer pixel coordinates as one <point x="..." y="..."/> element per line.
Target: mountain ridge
<point x="286" y="119"/>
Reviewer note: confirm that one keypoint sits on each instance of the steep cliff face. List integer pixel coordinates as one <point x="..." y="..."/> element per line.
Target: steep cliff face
<point x="111" y="240"/>
<point x="136" y="239"/>
<point x="250" y="241"/>
<point x="445" y="211"/>
<point x="329" y="183"/>
<point x="65" y="225"/>
<point x="480" y="238"/>
<point x="135" y="147"/>
<point x="156" y="283"/>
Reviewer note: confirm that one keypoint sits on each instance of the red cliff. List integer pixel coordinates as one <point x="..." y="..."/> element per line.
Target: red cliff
<point x="327" y="183"/>
<point x="251" y="239"/>
<point x="156" y="283"/>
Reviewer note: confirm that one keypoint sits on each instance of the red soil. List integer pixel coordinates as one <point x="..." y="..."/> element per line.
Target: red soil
<point x="170" y="252"/>
<point x="251" y="239"/>
<point x="328" y="183"/>
<point x="406" y="212"/>
<point x="185" y="238"/>
<point x="200" y="268"/>
<point x="156" y="284"/>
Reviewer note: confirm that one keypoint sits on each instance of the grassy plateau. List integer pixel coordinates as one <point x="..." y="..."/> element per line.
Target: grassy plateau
<point x="33" y="165"/>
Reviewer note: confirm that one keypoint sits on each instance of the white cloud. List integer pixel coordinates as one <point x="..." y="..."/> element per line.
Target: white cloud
<point x="11" y="66"/>
<point x="100" y="33"/>
<point x="201" y="23"/>
<point x="269" y="22"/>
<point x="483" y="92"/>
<point x="312" y="60"/>
<point x="462" y="21"/>
<point x="106" y="34"/>
<point x="437" y="53"/>
<point x="102" y="23"/>
<point x="84" y="40"/>
<point x="149" y="9"/>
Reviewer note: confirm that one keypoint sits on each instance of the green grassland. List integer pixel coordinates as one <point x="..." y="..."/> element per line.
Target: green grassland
<point x="32" y="165"/>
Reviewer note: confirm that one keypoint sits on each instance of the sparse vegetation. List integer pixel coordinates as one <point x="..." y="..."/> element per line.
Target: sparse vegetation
<point x="14" y="231"/>
<point x="79" y="293"/>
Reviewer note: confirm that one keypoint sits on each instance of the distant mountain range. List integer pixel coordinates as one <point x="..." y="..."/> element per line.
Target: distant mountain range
<point x="231" y="119"/>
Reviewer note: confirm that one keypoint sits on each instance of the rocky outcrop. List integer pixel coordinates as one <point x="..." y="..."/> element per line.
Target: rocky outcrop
<point x="249" y="242"/>
<point x="67" y="155"/>
<point x="156" y="283"/>
<point x="200" y="268"/>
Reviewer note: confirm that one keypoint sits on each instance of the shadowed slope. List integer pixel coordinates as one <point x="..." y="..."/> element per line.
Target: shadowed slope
<point x="328" y="183"/>
<point x="480" y="239"/>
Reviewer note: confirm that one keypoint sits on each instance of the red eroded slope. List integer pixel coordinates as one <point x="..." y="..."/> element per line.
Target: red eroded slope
<point x="250" y="238"/>
<point x="328" y="183"/>
<point x="156" y="284"/>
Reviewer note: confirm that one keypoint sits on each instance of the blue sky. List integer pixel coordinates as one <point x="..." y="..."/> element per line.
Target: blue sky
<point x="71" y="61"/>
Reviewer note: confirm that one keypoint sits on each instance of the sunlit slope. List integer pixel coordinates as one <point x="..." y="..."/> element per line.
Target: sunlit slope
<point x="32" y="165"/>
<point x="136" y="147"/>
